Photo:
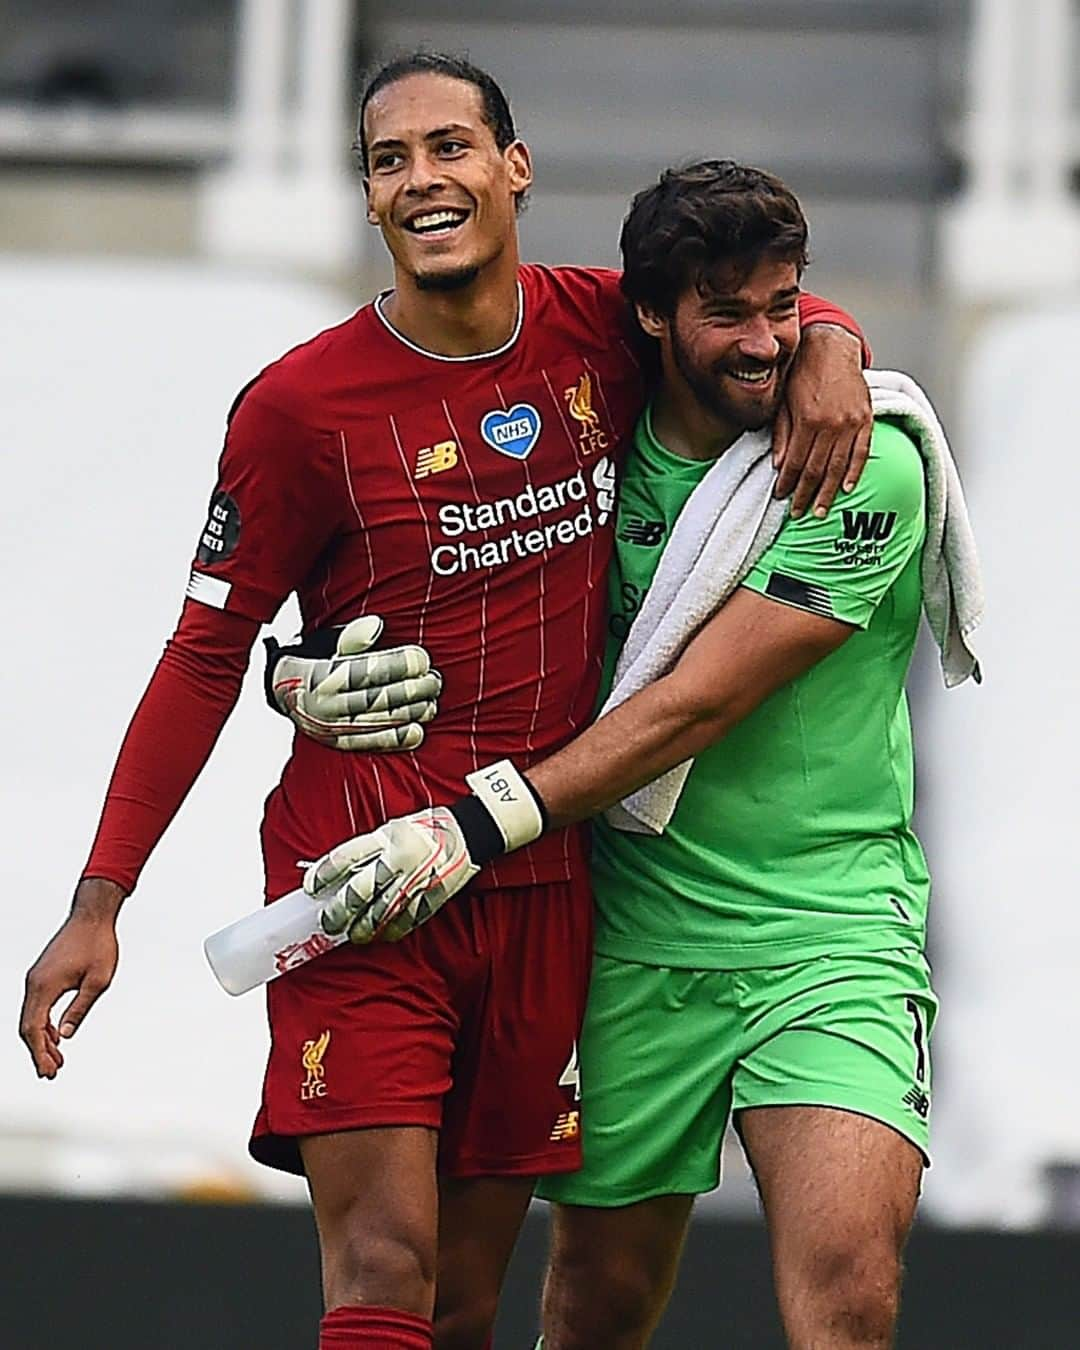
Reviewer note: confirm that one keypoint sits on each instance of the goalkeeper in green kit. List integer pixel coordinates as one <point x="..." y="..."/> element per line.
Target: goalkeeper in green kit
<point x="761" y="919"/>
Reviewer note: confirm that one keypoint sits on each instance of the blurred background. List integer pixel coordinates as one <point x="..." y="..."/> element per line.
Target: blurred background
<point x="178" y="205"/>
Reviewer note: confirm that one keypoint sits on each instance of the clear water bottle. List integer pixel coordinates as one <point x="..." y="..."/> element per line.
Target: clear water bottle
<point x="265" y="944"/>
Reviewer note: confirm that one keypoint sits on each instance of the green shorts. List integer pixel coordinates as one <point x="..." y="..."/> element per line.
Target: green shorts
<point x="667" y="1055"/>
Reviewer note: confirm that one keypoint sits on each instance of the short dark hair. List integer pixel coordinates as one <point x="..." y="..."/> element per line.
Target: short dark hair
<point x="700" y="221"/>
<point x="497" y="113"/>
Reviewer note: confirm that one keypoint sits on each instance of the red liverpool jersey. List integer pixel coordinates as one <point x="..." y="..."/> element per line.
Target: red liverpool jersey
<point x="467" y="500"/>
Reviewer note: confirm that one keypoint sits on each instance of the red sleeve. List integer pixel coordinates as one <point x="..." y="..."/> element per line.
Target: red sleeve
<point x="190" y="696"/>
<point x="277" y="504"/>
<point x="812" y="309"/>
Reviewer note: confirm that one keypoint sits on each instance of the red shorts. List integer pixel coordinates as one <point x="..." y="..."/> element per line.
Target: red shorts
<point x="469" y="1026"/>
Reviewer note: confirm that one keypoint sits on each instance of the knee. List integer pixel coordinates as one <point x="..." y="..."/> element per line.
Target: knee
<point x="391" y="1268"/>
<point x="594" y="1298"/>
<point x="856" y="1288"/>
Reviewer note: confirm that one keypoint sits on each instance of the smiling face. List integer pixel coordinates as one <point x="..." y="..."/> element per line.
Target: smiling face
<point x="438" y="186"/>
<point x="731" y="342"/>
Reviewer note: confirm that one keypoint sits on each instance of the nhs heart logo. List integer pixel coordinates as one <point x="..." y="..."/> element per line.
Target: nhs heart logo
<point x="512" y="433"/>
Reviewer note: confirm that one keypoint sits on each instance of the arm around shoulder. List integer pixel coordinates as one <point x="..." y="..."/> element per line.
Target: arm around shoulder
<point x="749" y="649"/>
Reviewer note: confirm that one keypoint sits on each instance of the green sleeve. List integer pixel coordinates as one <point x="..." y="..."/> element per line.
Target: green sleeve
<point x="842" y="566"/>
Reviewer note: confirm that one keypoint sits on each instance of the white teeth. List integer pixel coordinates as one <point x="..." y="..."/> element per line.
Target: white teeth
<point x="752" y="376"/>
<point x="436" y="220"/>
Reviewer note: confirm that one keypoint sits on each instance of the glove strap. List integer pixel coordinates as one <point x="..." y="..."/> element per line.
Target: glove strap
<point x="503" y="813"/>
<point x="511" y="801"/>
<point x="318" y="646"/>
<point x="273" y="652"/>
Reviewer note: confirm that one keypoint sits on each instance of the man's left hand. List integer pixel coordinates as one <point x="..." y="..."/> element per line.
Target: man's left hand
<point x="384" y="884"/>
<point x="821" y="438"/>
<point x="344" y="692"/>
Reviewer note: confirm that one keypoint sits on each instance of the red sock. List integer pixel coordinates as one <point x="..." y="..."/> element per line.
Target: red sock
<point x="368" y="1328"/>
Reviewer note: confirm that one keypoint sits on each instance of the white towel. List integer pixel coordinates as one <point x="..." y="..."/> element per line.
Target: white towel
<point x="727" y="523"/>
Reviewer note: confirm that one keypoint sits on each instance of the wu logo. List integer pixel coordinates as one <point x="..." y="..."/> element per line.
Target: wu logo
<point x="311" y="1057"/>
<point x="579" y="401"/>
<point x="868" y="525"/>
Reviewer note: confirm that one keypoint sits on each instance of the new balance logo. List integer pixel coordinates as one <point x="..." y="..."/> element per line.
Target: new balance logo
<point x="918" y="1100"/>
<point x="648" y="533"/>
<point x="868" y="525"/>
<point x="567" y="1126"/>
<point x="435" y="459"/>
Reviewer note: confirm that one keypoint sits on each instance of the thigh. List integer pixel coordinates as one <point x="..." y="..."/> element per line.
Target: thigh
<point x="656" y="1056"/>
<point x="514" y="1109"/>
<point x="611" y="1272"/>
<point x="363" y="1037"/>
<point x="850" y="1032"/>
<point x="376" y="1210"/>
<point x="831" y="1101"/>
<point x="839" y="1192"/>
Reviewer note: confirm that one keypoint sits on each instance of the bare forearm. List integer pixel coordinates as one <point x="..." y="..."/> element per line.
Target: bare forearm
<point x="752" y="647"/>
<point x="628" y="747"/>
<point x="848" y="346"/>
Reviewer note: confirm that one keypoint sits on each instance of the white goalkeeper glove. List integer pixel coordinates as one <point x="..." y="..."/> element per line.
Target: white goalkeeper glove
<point x="341" y="693"/>
<point x="383" y="885"/>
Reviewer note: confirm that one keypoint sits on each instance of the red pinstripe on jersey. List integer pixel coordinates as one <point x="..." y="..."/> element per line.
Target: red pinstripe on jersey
<point x="492" y="560"/>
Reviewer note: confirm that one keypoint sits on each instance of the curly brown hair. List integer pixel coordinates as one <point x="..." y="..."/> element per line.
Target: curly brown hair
<point x="698" y="222"/>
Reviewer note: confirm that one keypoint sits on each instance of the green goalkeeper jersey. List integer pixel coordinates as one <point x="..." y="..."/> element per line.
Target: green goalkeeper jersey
<point x="792" y="837"/>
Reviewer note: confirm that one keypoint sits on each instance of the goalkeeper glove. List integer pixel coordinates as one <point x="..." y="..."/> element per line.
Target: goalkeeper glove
<point x="383" y="885"/>
<point x="339" y="692"/>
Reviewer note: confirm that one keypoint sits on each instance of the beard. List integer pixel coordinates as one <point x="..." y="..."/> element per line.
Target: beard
<point x="454" y="280"/>
<point x="742" y="413"/>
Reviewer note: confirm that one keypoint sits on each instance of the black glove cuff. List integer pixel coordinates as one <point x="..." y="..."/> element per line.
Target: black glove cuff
<point x="478" y="828"/>
<point x="317" y="646"/>
<point x="273" y="651"/>
<point x="482" y="836"/>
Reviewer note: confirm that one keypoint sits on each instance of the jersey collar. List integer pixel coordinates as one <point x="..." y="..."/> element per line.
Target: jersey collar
<point x="382" y="297"/>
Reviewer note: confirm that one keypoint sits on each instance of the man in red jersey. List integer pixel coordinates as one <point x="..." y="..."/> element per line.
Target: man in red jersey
<point x="445" y="458"/>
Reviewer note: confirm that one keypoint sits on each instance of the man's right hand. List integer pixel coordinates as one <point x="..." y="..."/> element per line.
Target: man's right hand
<point x="353" y="696"/>
<point x="81" y="957"/>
